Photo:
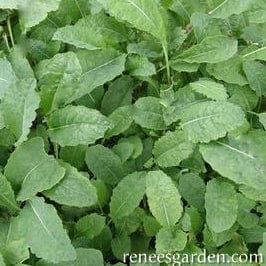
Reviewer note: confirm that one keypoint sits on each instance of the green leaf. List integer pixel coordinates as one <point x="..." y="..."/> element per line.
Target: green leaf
<point x="120" y="120"/>
<point x="163" y="198"/>
<point x="206" y="121"/>
<point x="121" y="245"/>
<point x="204" y="25"/>
<point x="256" y="75"/>
<point x="255" y="35"/>
<point x="262" y="117"/>
<point x="85" y="257"/>
<point x="212" y="50"/>
<point x="40" y="45"/>
<point x="118" y="113"/>
<point x="98" y="67"/>
<point x="147" y="48"/>
<point x="40" y="131"/>
<point x="74" y="155"/>
<point x="92" y="32"/>
<point x="10" y="4"/>
<point x="93" y="99"/>
<point x="18" y="106"/>
<point x="31" y="170"/>
<point x="252" y="193"/>
<point x="148" y="113"/>
<point x="20" y="63"/>
<point x="2" y="123"/>
<point x="127" y="195"/>
<point x="151" y="226"/>
<point x="140" y="66"/>
<point x="74" y="125"/>
<point x="176" y="103"/>
<point x="32" y="13"/>
<point x="119" y="94"/>
<point x="2" y="262"/>
<point x="7" y="197"/>
<point x="245" y="218"/>
<point x="144" y="15"/>
<point x="88" y="257"/>
<point x="7" y="76"/>
<point x="218" y="239"/>
<point x="192" y="189"/>
<point x="230" y="7"/>
<point x="137" y="145"/>
<point x="257" y="54"/>
<point x="58" y="80"/>
<point x="181" y="66"/>
<point x="73" y="190"/>
<point x="195" y="163"/>
<point x="170" y="240"/>
<point x="90" y="225"/>
<point x="124" y="150"/>
<point x="69" y="12"/>
<point x="210" y="89"/>
<point x="44" y="232"/>
<point x="103" y="191"/>
<point x="131" y="223"/>
<point x="81" y="35"/>
<point x="262" y="249"/>
<point x="243" y="158"/>
<point x="7" y="139"/>
<point x="221" y="205"/>
<point x="172" y="148"/>
<point x="13" y="247"/>
<point x="104" y="164"/>
<point x="257" y="14"/>
<point x="229" y="71"/>
<point x="243" y="96"/>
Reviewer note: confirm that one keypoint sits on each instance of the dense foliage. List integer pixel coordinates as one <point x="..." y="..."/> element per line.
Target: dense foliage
<point x="131" y="126"/>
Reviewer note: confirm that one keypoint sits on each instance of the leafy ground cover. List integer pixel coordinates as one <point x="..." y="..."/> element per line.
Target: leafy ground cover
<point x="131" y="126"/>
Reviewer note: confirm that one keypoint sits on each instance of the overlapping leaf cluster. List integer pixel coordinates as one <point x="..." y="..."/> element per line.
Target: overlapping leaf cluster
<point x="131" y="126"/>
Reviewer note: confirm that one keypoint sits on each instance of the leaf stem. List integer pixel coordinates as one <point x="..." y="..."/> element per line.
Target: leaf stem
<point x="56" y="150"/>
<point x="78" y="6"/>
<point x="10" y="32"/>
<point x="167" y="63"/>
<point x="162" y="68"/>
<point x="219" y="6"/>
<point x="253" y="113"/>
<point x="6" y="42"/>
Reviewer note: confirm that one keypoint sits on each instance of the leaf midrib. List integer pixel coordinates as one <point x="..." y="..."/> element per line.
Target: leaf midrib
<point x="9" y="202"/>
<point x="101" y="66"/>
<point x="142" y="12"/>
<point x="199" y="119"/>
<point x="125" y="201"/>
<point x="41" y="222"/>
<point x="71" y="125"/>
<point x="236" y="150"/>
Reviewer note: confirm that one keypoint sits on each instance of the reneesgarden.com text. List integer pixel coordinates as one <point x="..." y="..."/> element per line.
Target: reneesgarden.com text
<point x="178" y="259"/>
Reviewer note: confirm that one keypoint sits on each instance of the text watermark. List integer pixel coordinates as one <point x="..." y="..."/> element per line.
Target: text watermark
<point x="202" y="258"/>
